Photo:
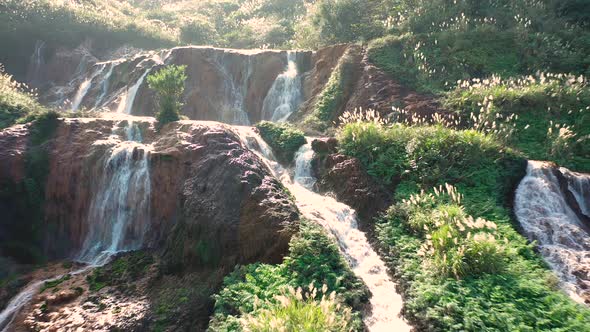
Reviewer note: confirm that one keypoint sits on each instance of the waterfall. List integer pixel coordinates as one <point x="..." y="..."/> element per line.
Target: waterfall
<point x="37" y="62"/>
<point x="118" y="216"/>
<point x="546" y="217"/>
<point x="579" y="185"/>
<point x="128" y="98"/>
<point x="284" y="97"/>
<point x="85" y="86"/>
<point x="104" y="86"/>
<point x="340" y="221"/>
<point x="232" y="108"/>
<point x="119" y="213"/>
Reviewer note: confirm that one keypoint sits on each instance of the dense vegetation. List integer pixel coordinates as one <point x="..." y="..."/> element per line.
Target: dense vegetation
<point x="283" y="138"/>
<point x="450" y="238"/>
<point x="300" y="287"/>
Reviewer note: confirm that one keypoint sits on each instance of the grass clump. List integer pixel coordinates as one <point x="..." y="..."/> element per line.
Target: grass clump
<point x="297" y="311"/>
<point x="54" y="283"/>
<point x="254" y="292"/>
<point x="17" y="105"/>
<point x="283" y="138"/>
<point x="549" y="114"/>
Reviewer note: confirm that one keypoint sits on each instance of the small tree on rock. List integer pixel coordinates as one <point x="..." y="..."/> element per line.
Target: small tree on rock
<point x="168" y="83"/>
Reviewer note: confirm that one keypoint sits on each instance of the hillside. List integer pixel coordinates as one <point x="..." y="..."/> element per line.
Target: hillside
<point x="275" y="165"/>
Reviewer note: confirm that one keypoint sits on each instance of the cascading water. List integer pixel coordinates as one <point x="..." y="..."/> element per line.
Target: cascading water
<point x="119" y="213"/>
<point x="579" y="185"/>
<point x="339" y="220"/>
<point x="284" y="97"/>
<point x="85" y="86"/>
<point x="104" y="86"/>
<point x="232" y="109"/>
<point x="546" y="217"/>
<point x="37" y="62"/>
<point x="128" y="98"/>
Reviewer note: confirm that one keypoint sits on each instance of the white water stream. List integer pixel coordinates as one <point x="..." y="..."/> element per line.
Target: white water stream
<point x="340" y="221"/>
<point x="232" y="109"/>
<point x="128" y="98"/>
<point x="547" y="218"/>
<point x="284" y="97"/>
<point x="85" y="86"/>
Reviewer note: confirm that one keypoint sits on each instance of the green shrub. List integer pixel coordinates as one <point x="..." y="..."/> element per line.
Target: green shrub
<point x="17" y="105"/>
<point x="314" y="262"/>
<point x="168" y="83"/>
<point x="283" y="138"/>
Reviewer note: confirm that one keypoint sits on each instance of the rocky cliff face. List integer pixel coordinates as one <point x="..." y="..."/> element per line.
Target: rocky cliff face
<point x="202" y="180"/>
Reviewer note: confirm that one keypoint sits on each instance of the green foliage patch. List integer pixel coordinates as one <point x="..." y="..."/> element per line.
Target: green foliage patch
<point x="314" y="260"/>
<point x="283" y="138"/>
<point x="551" y="116"/>
<point x="331" y="100"/>
<point x="168" y="83"/>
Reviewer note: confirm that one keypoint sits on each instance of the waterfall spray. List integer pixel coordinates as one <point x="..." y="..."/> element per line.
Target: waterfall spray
<point x="128" y="98"/>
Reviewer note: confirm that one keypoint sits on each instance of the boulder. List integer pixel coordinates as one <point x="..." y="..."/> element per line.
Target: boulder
<point x="349" y="182"/>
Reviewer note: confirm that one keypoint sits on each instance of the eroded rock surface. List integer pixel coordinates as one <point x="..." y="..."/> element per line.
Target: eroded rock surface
<point x="346" y="178"/>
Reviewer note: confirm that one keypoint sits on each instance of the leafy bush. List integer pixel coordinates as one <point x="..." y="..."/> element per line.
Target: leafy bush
<point x="283" y="138"/>
<point x="169" y="85"/>
<point x="455" y="244"/>
<point x="314" y="262"/>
